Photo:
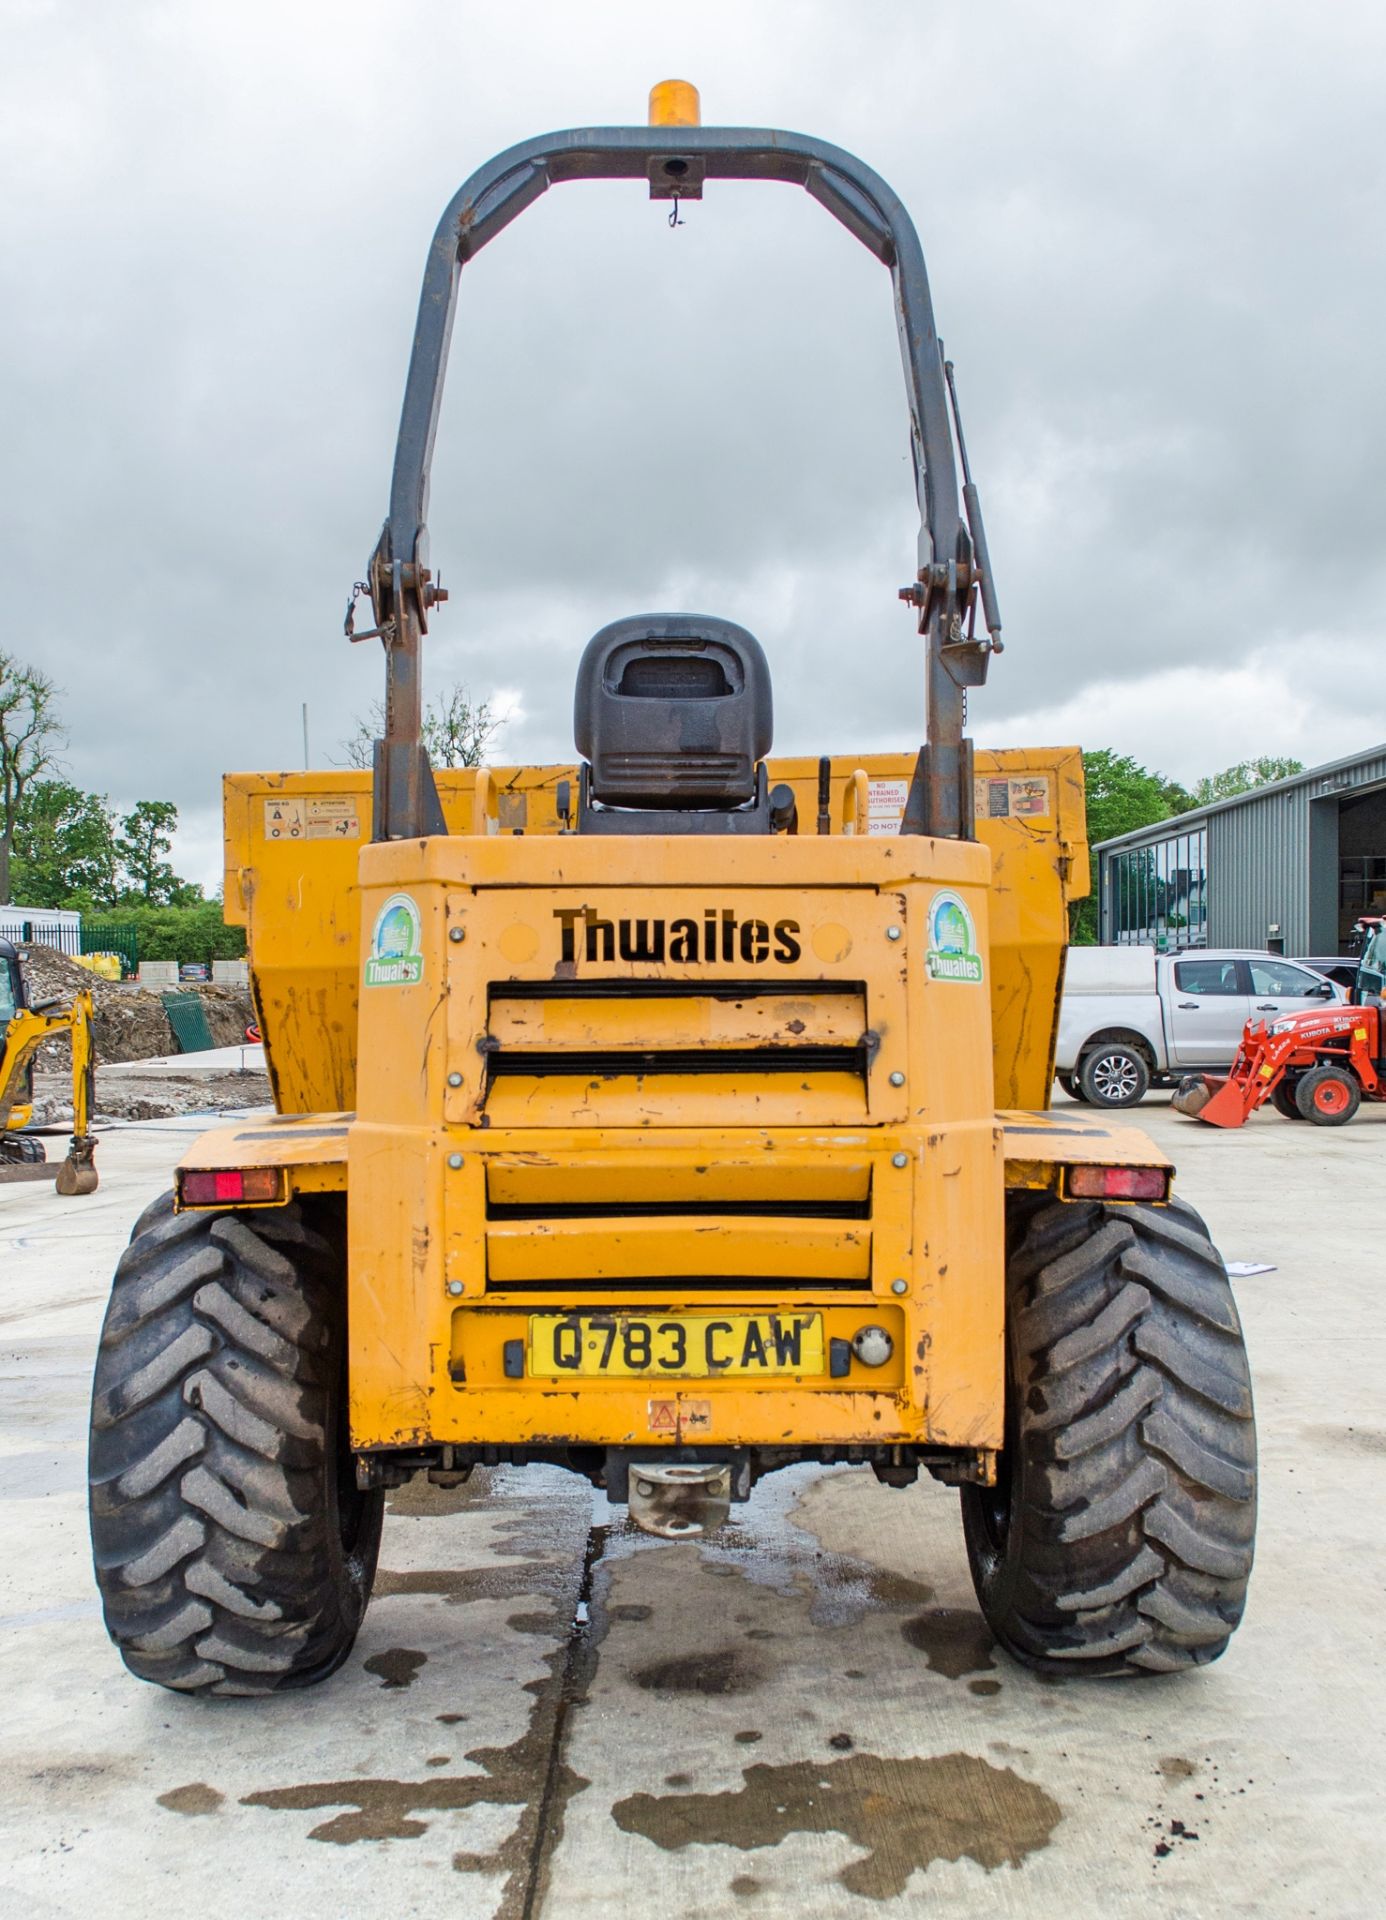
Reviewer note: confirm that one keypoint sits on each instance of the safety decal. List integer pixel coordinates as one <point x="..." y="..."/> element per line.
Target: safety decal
<point x="952" y="951"/>
<point x="395" y="958"/>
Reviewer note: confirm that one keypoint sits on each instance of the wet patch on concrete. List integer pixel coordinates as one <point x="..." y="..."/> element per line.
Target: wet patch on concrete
<point x="954" y="1642"/>
<point x="746" y="1886"/>
<point x="729" y="1670"/>
<point x="748" y="1737"/>
<point x="458" y="1586"/>
<point x="397" y="1667"/>
<point x="904" y="1813"/>
<point x="631" y="1610"/>
<point x="419" y="1499"/>
<point x="984" y="1689"/>
<point x="521" y="1775"/>
<point x="197" y="1797"/>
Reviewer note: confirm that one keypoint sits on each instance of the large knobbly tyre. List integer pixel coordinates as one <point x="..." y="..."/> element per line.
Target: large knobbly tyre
<point x="1119" y="1536"/>
<point x="233" y="1550"/>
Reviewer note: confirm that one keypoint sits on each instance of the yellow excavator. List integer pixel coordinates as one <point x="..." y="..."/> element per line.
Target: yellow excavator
<point x="23" y="1030"/>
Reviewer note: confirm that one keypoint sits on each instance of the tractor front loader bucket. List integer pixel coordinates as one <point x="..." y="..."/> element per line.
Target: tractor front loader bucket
<point x="1222" y="1103"/>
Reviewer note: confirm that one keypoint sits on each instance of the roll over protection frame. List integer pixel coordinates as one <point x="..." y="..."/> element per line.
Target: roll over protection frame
<point x="675" y="161"/>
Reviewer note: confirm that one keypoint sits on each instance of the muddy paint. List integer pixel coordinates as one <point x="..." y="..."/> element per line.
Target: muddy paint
<point x="729" y="1670"/>
<point x="953" y="1641"/>
<point x="1175" y="1767"/>
<point x="397" y="1667"/>
<point x="903" y="1813"/>
<point x="746" y="1886"/>
<point x="195" y="1798"/>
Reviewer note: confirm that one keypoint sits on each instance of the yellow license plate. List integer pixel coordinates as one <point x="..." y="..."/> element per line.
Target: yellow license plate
<point x="674" y="1346"/>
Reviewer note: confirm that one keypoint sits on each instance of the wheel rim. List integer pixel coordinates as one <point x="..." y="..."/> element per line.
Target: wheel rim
<point x="1330" y="1096"/>
<point x="1114" y="1077"/>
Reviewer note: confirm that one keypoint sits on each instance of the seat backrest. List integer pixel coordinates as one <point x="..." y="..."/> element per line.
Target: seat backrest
<point x="673" y="710"/>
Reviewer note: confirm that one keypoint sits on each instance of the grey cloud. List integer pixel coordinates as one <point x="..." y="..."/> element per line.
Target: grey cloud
<point x="1155" y="240"/>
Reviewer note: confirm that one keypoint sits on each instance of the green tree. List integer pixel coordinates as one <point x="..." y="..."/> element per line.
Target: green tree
<point x="64" y="851"/>
<point x="187" y="934"/>
<point x="1243" y="777"/>
<point x="1122" y="795"/>
<point x="144" y="842"/>
<point x="457" y="730"/>
<point x="30" y="736"/>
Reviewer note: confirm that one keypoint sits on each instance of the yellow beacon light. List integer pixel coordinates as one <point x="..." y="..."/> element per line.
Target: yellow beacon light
<point x="675" y="103"/>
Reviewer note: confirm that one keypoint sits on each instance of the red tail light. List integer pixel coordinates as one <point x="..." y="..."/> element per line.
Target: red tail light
<point x="230" y="1186"/>
<point x="1118" y="1183"/>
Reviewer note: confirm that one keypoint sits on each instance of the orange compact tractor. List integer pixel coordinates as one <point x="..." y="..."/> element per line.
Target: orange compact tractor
<point x="1318" y="1065"/>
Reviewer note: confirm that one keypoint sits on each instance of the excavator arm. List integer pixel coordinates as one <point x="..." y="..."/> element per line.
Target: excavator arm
<point x="23" y="1036"/>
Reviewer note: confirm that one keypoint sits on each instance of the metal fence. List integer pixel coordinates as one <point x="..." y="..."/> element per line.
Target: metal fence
<point x="105" y="936"/>
<point x="93" y="936"/>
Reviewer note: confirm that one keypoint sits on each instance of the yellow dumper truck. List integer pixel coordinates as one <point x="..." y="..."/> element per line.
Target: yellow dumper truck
<point x="674" y="1115"/>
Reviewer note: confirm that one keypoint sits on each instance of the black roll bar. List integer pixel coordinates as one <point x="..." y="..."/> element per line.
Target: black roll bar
<point x="676" y="160"/>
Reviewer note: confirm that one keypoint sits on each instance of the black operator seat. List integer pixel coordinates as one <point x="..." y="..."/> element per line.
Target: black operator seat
<point x="673" y="718"/>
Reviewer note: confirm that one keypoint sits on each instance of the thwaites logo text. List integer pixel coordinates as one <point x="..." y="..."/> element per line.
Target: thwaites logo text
<point x="718" y="935"/>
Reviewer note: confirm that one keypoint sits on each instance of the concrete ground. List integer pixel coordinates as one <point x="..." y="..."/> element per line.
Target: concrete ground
<point x="547" y="1716"/>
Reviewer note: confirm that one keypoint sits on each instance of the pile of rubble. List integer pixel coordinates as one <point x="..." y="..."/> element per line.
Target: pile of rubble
<point x="130" y="1022"/>
<point x="150" y="1096"/>
<point x="130" y="1025"/>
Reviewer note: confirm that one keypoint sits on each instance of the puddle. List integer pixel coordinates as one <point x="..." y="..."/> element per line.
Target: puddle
<point x="397" y="1667"/>
<point x="727" y="1671"/>
<point x="955" y="1643"/>
<point x="904" y="1813"/>
<point x="194" y="1798"/>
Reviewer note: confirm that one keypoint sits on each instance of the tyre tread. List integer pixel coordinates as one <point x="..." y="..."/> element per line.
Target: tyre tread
<point x="1129" y="1545"/>
<point x="211" y="1535"/>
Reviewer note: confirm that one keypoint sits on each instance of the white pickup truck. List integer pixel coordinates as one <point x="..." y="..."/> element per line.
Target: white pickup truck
<point x="1131" y="1019"/>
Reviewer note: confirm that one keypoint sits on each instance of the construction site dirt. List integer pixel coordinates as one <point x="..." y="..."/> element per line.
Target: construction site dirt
<point x="549" y="1714"/>
<point x="130" y="1021"/>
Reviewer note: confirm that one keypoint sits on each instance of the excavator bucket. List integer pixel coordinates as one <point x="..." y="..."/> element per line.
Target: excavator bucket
<point x="77" y="1172"/>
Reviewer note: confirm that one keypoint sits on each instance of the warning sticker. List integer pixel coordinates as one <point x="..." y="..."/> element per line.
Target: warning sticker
<point x="334" y="816"/>
<point x="284" y="820"/>
<point x="885" y="805"/>
<point x="1026" y="798"/>
<point x="695" y="1416"/>
<point x="664" y="1416"/>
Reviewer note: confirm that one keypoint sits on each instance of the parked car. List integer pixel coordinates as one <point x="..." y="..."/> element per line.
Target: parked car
<point x="1339" y="967"/>
<point x="1131" y="1019"/>
<point x="194" y="970"/>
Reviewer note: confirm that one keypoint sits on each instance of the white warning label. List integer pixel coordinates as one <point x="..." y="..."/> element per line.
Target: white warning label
<point x="284" y="820"/>
<point x="334" y="816"/>
<point x="885" y="805"/>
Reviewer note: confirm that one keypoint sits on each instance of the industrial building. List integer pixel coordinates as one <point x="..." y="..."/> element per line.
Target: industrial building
<point x="1289" y="866"/>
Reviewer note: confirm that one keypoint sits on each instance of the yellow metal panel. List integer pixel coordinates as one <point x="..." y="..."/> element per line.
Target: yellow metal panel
<point x="320" y="1138"/>
<point x="674" y="1099"/>
<point x="677" y="1245"/>
<point x="614" y="1178"/>
<point x="804" y="1019"/>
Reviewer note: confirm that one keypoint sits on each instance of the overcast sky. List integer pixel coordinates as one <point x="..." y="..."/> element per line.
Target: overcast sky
<point x="1157" y="244"/>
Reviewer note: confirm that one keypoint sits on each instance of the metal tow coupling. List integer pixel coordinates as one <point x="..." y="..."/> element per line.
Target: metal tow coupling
<point x="679" y="1501"/>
